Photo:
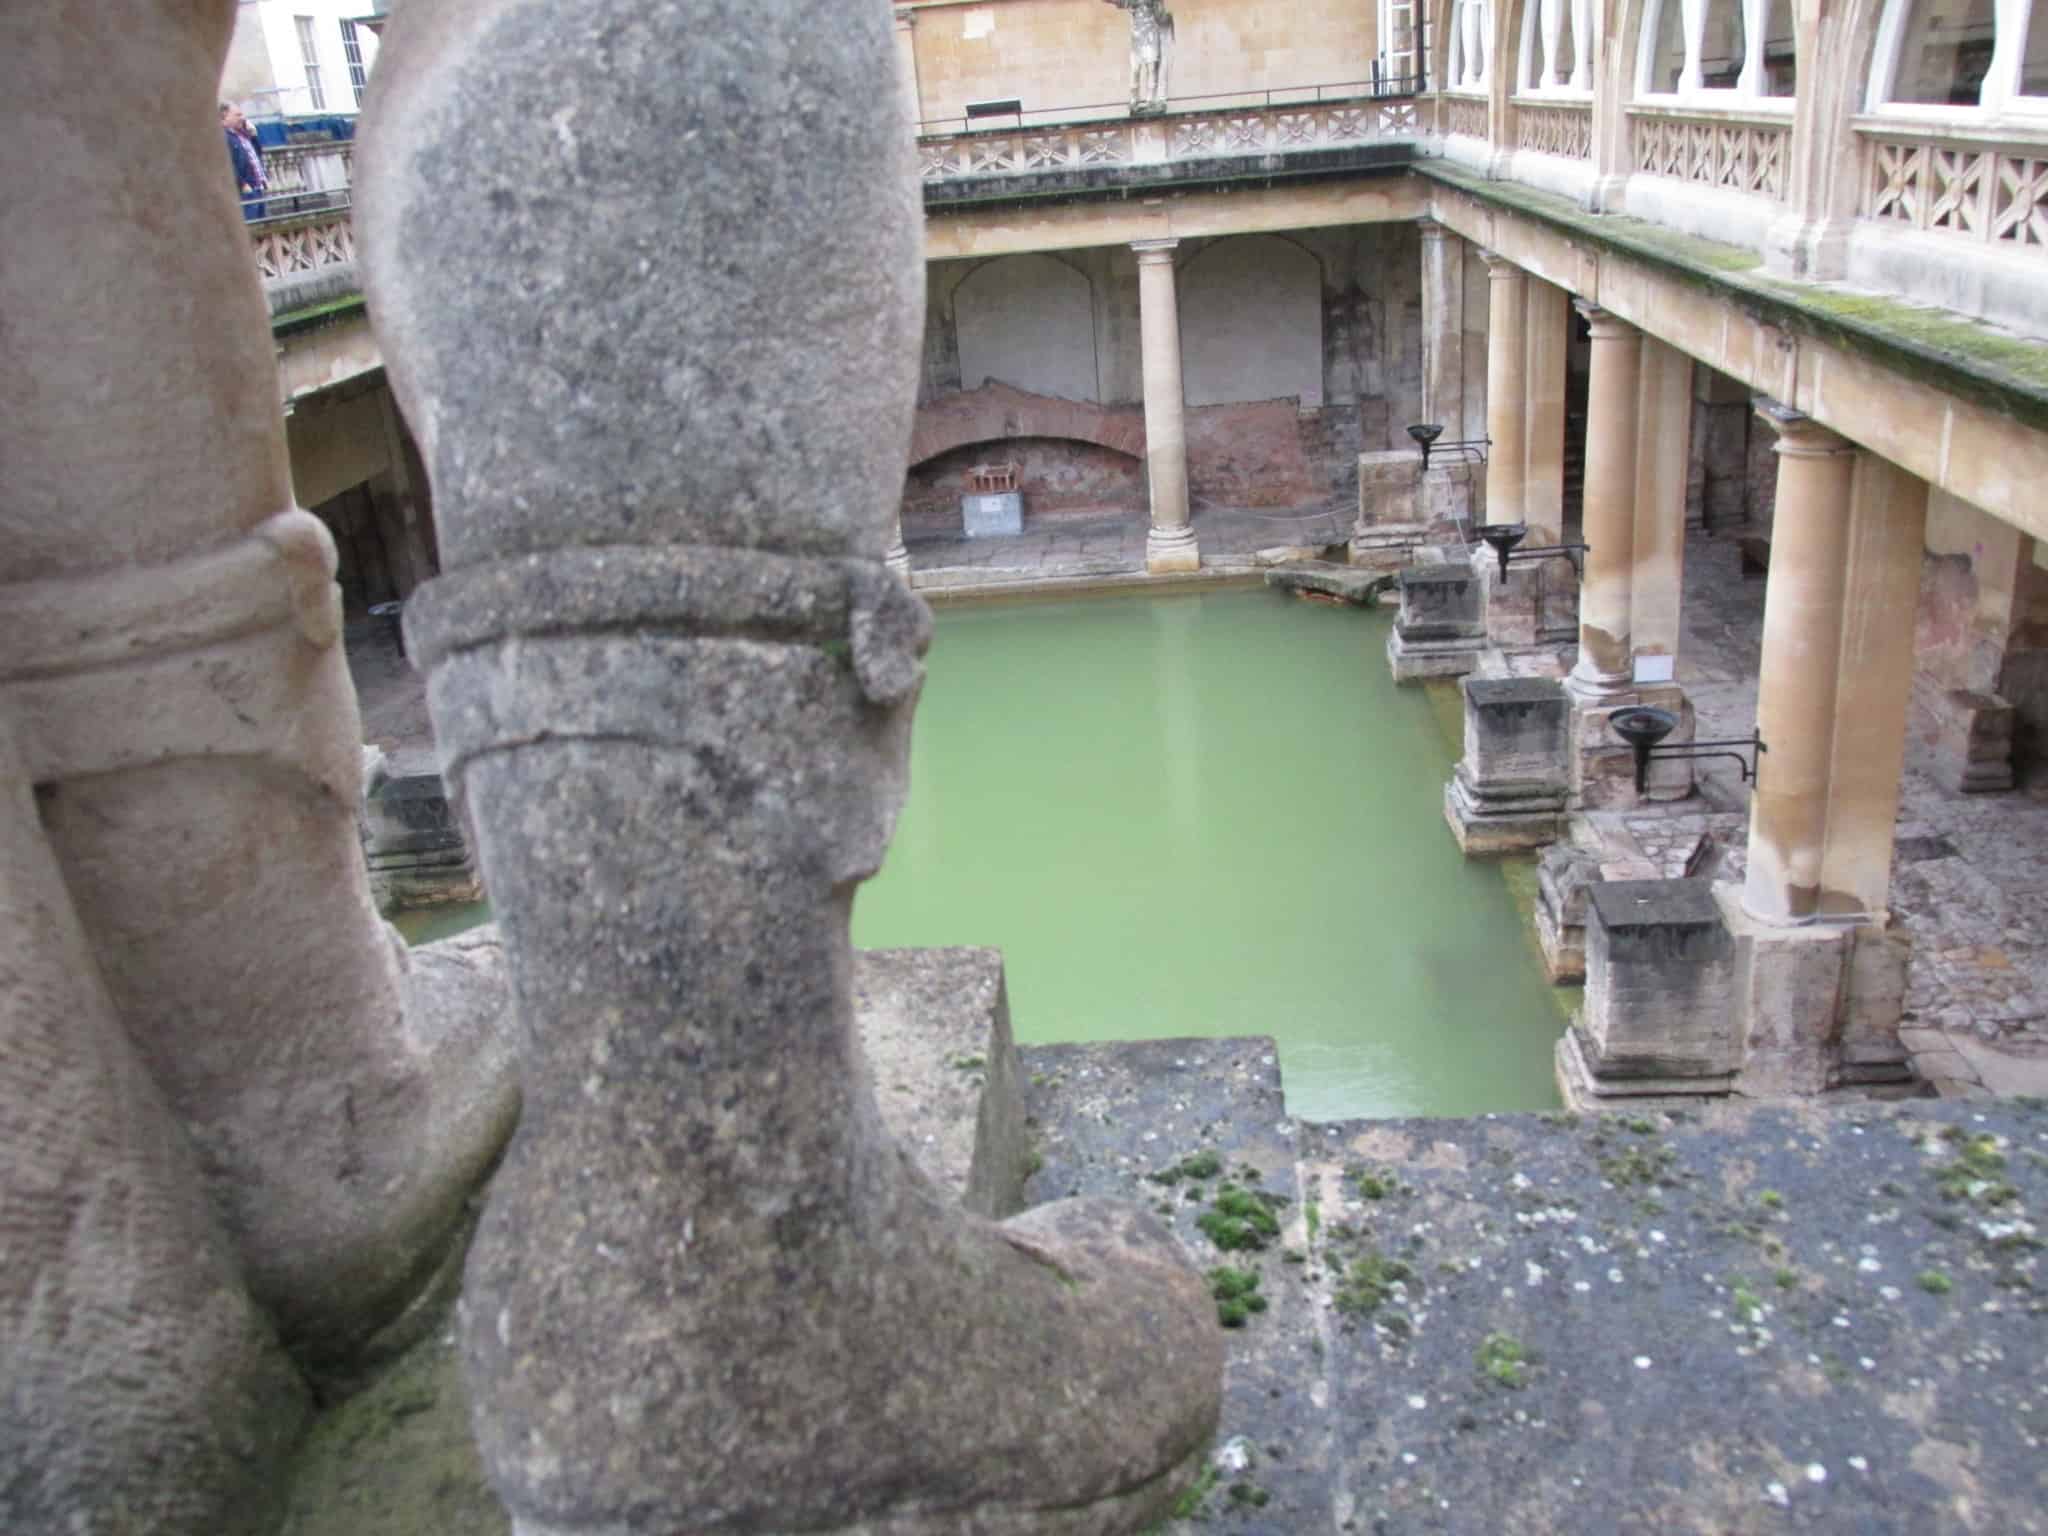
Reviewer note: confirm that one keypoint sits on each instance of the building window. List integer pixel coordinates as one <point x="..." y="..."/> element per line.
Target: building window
<point x="1973" y="55"/>
<point x="1557" y="47"/>
<point x="1725" y="48"/>
<point x="309" y="54"/>
<point x="1471" y="40"/>
<point x="352" y="52"/>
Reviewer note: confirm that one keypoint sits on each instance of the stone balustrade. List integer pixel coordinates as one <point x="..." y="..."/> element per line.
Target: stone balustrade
<point x="1255" y="130"/>
<point x="1993" y="190"/>
<point x="1738" y="151"/>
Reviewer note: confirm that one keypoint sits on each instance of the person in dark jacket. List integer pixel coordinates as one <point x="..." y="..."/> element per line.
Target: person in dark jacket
<point x="247" y="158"/>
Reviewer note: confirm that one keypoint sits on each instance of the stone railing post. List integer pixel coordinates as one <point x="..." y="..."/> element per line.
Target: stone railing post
<point x="665" y="410"/>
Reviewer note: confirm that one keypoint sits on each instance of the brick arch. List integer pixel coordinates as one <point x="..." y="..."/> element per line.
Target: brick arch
<point x="997" y="411"/>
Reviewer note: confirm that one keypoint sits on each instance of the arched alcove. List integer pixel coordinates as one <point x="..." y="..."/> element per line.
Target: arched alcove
<point x="1028" y="321"/>
<point x="1251" y="322"/>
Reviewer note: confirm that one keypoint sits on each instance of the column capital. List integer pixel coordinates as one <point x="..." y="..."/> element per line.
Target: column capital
<point x="1799" y="435"/>
<point x="1430" y="229"/>
<point x="1604" y="323"/>
<point x="1500" y="268"/>
<point x="1153" y="252"/>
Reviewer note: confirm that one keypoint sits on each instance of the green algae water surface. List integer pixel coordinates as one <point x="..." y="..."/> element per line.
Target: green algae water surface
<point x="1215" y="814"/>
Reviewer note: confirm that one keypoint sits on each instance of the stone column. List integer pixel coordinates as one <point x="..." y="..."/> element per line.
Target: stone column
<point x="1170" y="543"/>
<point x="1506" y="389"/>
<point x="194" y="742"/>
<point x="1799" y="668"/>
<point x="1547" y="320"/>
<point x="897" y="555"/>
<point x="1443" y="327"/>
<point x="1663" y="452"/>
<point x="1606" y="663"/>
<point x="1881" y="588"/>
<point x="675" y="684"/>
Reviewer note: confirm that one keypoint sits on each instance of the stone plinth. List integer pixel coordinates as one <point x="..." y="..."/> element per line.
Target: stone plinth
<point x="413" y="840"/>
<point x="1512" y="603"/>
<point x="1439" y="630"/>
<point x="1973" y="752"/>
<point x="991" y="513"/>
<point x="1508" y="791"/>
<point x="1603" y="766"/>
<point x="1871" y="1050"/>
<point x="1659" y="1017"/>
<point x="1565" y="873"/>
<point x="1789" y="994"/>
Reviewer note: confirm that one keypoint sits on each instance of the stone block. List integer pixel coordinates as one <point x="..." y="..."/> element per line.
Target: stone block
<point x="413" y="839"/>
<point x="1603" y="766"/>
<point x="1388" y="546"/>
<point x="1513" y="603"/>
<point x="992" y="514"/>
<point x="1659" y="987"/>
<point x="1872" y="1050"/>
<point x="1451" y="496"/>
<point x="1389" y="487"/>
<point x="1565" y="873"/>
<point x="1973" y="747"/>
<point x="1789" y="990"/>
<point x="1508" y="791"/>
<point x="1439" y="629"/>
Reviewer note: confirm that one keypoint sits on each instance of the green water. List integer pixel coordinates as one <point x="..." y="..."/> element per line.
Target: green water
<point x="1211" y="814"/>
<point x="1215" y="814"/>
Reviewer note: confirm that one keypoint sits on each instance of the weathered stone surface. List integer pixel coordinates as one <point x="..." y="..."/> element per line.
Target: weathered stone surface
<point x="1659" y="984"/>
<point x="171" y="660"/>
<point x="935" y="1033"/>
<point x="1508" y="790"/>
<point x="413" y="840"/>
<point x="144" y="1390"/>
<point x="1349" y="584"/>
<point x="1440" y="627"/>
<point x="1974" y="747"/>
<point x="1788" y="999"/>
<point x="673" y="682"/>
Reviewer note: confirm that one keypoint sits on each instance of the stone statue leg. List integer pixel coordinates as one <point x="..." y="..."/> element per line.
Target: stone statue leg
<point x="144" y="1391"/>
<point x="172" y="655"/>
<point x="665" y="404"/>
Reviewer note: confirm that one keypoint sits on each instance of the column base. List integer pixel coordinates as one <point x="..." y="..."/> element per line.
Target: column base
<point x="1495" y="821"/>
<point x="1599" y="690"/>
<point x="1411" y="660"/>
<point x="1171" y="551"/>
<point x="1586" y="1092"/>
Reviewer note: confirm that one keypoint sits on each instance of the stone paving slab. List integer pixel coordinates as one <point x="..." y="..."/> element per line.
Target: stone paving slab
<point x="1117" y="1120"/>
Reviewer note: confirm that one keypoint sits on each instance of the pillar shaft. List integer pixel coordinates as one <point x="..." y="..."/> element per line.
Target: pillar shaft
<point x="1506" y="389"/>
<point x="1797" y="675"/>
<point x="1547" y="321"/>
<point x="1443" y="328"/>
<point x="1606" y="662"/>
<point x="1663" y="453"/>
<point x="1170" y="544"/>
<point x="1887" y="533"/>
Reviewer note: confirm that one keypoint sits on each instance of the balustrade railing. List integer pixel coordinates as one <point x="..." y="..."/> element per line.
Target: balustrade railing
<point x="302" y="222"/>
<point x="1958" y="184"/>
<point x="1463" y="115"/>
<point x="1712" y="149"/>
<point x="1248" y="123"/>
<point x="1555" y="128"/>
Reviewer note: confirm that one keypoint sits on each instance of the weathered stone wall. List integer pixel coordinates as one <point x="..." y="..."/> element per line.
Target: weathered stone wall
<point x="1072" y="53"/>
<point x="1299" y="352"/>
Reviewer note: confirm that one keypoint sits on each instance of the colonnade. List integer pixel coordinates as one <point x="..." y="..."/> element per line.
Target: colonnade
<point x="1836" y="669"/>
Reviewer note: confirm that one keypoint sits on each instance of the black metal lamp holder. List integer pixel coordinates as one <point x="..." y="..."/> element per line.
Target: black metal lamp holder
<point x="1427" y="433"/>
<point x="1504" y="538"/>
<point x="1644" y="729"/>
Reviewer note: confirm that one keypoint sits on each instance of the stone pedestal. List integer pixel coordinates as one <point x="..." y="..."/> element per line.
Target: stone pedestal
<point x="1512" y="604"/>
<point x="1603" y="766"/>
<point x="1389" y="528"/>
<point x="1790" y="985"/>
<point x="1440" y="628"/>
<point x="1659" y="1020"/>
<point x="1565" y="876"/>
<point x="1973" y="752"/>
<point x="1508" y="792"/>
<point x="413" y="840"/>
